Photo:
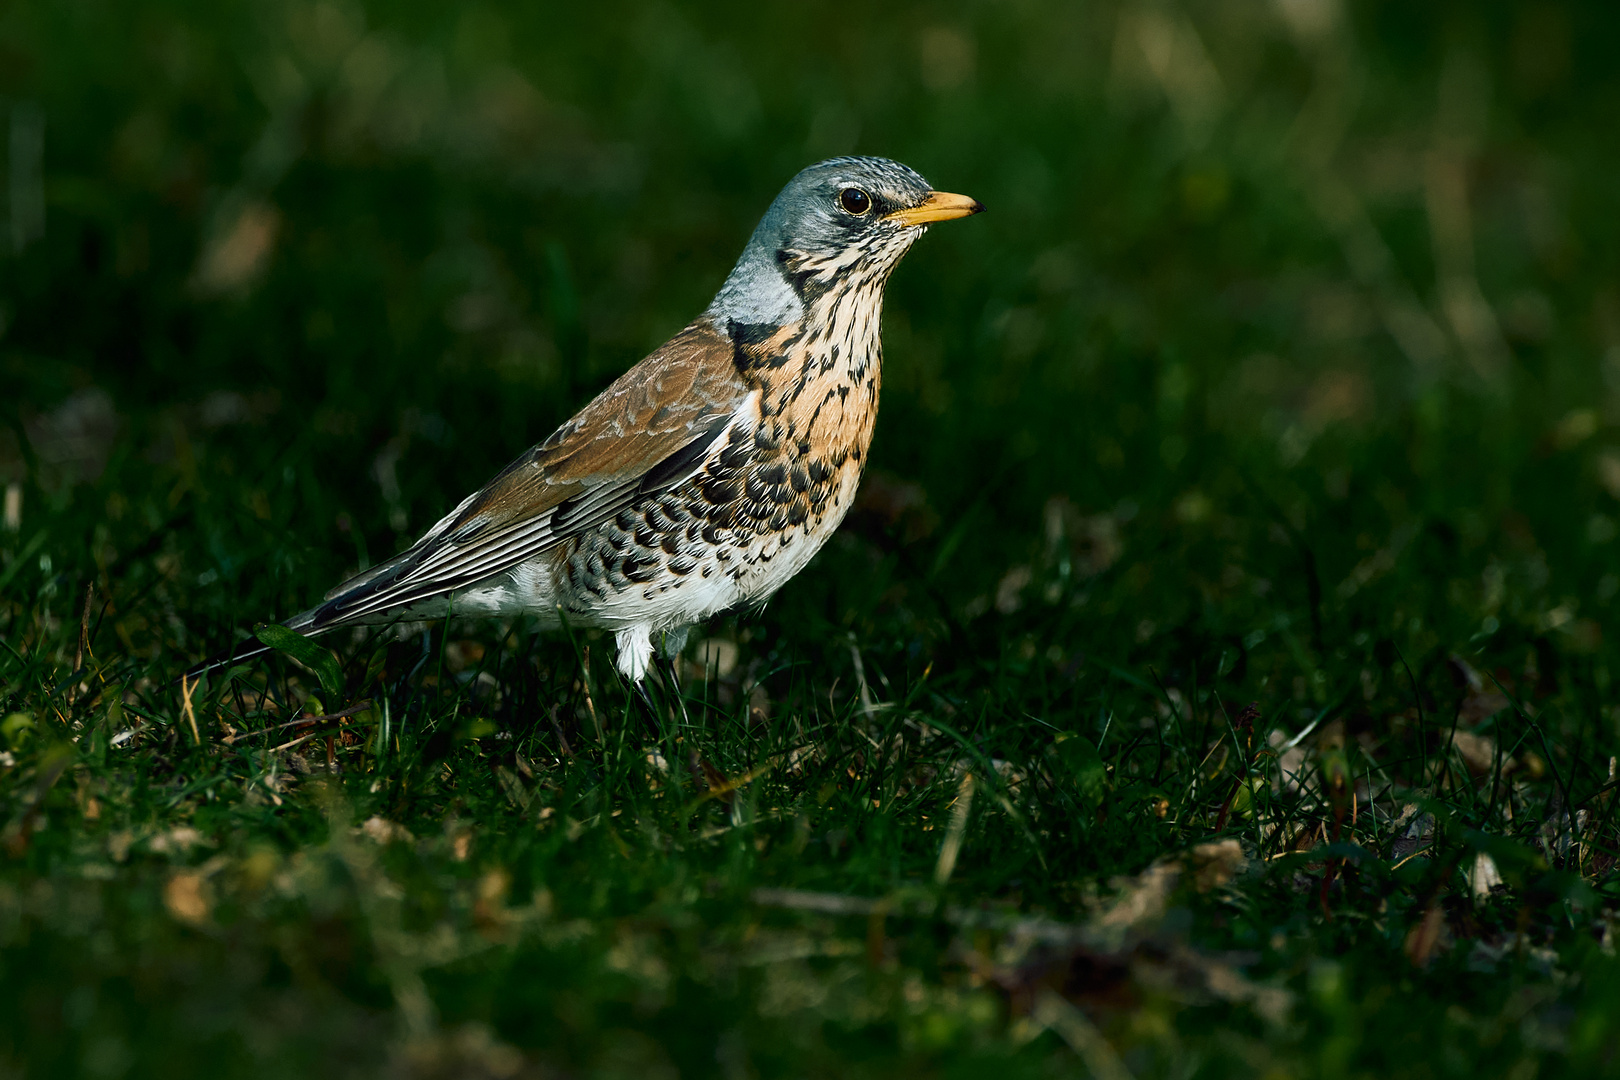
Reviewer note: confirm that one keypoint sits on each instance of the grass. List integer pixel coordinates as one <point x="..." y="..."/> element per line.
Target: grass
<point x="1215" y="677"/>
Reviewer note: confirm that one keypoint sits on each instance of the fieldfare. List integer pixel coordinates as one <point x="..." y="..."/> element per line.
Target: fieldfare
<point x="707" y="475"/>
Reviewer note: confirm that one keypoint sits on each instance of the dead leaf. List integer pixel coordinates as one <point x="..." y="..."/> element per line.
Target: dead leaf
<point x="177" y="841"/>
<point x="1478" y="752"/>
<point x="1424" y="938"/>
<point x="239" y="252"/>
<point x="1479" y="706"/>
<point x="1215" y="863"/>
<point x="185" y="898"/>
<point x="383" y="831"/>
<point x="1143" y="900"/>
<point x="1093" y="540"/>
<point x="1010" y="591"/>
<point x="1418" y="836"/>
<point x="1483" y="876"/>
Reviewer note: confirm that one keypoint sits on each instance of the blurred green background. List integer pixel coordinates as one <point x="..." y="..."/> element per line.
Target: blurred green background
<point x="1285" y="367"/>
<point x="1360" y="260"/>
<point x="1365" y="252"/>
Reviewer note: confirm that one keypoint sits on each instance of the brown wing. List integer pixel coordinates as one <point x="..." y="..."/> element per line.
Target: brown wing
<point x="650" y="430"/>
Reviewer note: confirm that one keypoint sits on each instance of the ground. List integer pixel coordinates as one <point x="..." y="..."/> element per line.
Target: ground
<point x="1214" y="677"/>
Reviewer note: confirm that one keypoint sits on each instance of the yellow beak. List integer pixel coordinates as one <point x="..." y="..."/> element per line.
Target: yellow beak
<point x="939" y="206"/>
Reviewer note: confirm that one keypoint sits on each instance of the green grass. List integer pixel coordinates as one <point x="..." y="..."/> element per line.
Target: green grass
<point x="1285" y="372"/>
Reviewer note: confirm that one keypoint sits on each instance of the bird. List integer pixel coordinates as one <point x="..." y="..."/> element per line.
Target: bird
<point x="707" y="475"/>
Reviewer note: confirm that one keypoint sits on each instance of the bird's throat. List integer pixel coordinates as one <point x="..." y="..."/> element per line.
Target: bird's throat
<point x="819" y="379"/>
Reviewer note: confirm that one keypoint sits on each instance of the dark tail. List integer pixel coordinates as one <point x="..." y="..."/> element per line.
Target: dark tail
<point x="248" y="650"/>
<point x="334" y="611"/>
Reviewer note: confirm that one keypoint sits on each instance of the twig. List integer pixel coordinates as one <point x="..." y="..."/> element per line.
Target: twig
<point x="561" y="738"/>
<point x="1075" y="1028"/>
<point x="296" y="742"/>
<point x="306" y="721"/>
<point x="84" y="639"/>
<point x="727" y="786"/>
<point x="1247" y="718"/>
<point x="1035" y="928"/>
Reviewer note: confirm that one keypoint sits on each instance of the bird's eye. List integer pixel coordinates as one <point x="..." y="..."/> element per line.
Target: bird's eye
<point x="855" y="201"/>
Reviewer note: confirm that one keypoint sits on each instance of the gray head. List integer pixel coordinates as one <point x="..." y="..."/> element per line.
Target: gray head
<point x="841" y="222"/>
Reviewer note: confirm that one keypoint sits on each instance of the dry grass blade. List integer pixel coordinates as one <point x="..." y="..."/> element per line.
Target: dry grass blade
<point x="820" y="902"/>
<point x="951" y="847"/>
<point x="1073" y="1027"/>
<point x="186" y="689"/>
<point x="324" y="718"/>
<point x="1424" y="938"/>
<point x="292" y="743"/>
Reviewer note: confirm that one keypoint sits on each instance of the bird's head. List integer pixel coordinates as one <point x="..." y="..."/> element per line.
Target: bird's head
<point x="841" y="222"/>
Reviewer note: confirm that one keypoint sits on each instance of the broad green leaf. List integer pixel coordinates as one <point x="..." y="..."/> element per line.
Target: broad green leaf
<point x="322" y="661"/>
<point x="1247" y="794"/>
<point x="16" y="727"/>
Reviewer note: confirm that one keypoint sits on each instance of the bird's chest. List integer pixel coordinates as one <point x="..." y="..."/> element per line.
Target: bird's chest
<point x="766" y="499"/>
<point x="805" y="462"/>
<point x="778" y="491"/>
<point x="786" y="480"/>
<point x="759" y="508"/>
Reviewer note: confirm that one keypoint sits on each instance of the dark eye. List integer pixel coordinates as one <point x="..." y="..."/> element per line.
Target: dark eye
<point x="855" y="201"/>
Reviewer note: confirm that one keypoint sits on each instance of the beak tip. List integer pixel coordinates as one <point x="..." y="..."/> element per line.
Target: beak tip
<point x="939" y="206"/>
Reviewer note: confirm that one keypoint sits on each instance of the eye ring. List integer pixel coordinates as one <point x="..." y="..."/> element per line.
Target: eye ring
<point x="854" y="201"/>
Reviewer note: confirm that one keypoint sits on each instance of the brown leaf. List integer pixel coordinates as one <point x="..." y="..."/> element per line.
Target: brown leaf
<point x="1480" y="705"/>
<point x="1424" y="938"/>
<point x="186" y="899"/>
<point x="1142" y="900"/>
<point x="1478" y="752"/>
<point x="1093" y="540"/>
<point x="383" y="831"/>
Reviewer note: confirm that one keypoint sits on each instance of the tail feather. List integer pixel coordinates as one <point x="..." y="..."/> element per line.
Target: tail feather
<point x="336" y="609"/>
<point x="247" y="650"/>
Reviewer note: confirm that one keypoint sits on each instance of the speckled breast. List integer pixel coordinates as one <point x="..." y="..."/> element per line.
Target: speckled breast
<point x="732" y="534"/>
<point x="756" y="511"/>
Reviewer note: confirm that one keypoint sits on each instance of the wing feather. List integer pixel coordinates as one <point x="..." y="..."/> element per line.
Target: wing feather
<point x="650" y="430"/>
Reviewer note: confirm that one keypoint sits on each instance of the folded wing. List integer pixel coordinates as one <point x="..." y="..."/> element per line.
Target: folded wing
<point x="651" y="430"/>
